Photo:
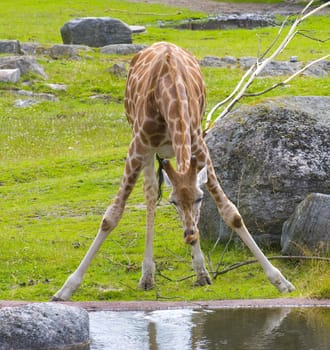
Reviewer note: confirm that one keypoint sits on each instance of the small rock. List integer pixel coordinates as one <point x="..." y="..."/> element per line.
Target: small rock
<point x="212" y="61"/>
<point x="10" y="46"/>
<point x="118" y="69"/>
<point x="30" y="48"/>
<point x="230" y="60"/>
<point x="223" y="62"/>
<point x="24" y="63"/>
<point x="137" y="29"/>
<point x="25" y="103"/>
<point x="70" y="51"/>
<point x="10" y="75"/>
<point x="42" y="95"/>
<point x="308" y="228"/>
<point x="247" y="62"/>
<point x="122" y="49"/>
<point x="57" y="87"/>
<point x="276" y="68"/>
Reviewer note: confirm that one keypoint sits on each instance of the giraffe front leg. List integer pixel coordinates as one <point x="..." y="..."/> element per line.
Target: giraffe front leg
<point x="75" y="279"/>
<point x="110" y="220"/>
<point x="273" y="274"/>
<point x="198" y="263"/>
<point x="233" y="219"/>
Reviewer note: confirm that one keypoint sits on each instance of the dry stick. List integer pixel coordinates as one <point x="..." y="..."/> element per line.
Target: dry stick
<point x="247" y="73"/>
<point x="256" y="69"/>
<point x="248" y="262"/>
<point x="284" y="82"/>
<point x="301" y="32"/>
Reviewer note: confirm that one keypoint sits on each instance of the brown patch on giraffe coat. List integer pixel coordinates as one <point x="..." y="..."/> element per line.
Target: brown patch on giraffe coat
<point x="237" y="221"/>
<point x="105" y="225"/>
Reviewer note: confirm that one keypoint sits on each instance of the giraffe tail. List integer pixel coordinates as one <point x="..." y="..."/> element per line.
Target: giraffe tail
<point x="160" y="177"/>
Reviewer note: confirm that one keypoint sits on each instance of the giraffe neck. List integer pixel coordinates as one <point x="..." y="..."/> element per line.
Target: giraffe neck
<point x="174" y="105"/>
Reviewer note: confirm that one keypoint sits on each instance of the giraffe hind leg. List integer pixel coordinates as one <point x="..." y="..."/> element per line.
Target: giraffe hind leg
<point x="150" y="188"/>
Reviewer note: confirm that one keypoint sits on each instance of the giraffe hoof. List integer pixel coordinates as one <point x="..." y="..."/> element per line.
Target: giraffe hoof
<point x="54" y="298"/>
<point x="203" y="280"/>
<point x="146" y="282"/>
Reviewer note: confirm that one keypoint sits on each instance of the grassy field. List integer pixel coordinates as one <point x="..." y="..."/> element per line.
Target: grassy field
<point x="61" y="163"/>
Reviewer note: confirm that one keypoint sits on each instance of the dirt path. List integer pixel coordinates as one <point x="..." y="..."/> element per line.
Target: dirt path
<point x="165" y="305"/>
<point x="215" y="8"/>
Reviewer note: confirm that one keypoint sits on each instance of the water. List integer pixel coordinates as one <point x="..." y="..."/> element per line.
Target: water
<point x="232" y="329"/>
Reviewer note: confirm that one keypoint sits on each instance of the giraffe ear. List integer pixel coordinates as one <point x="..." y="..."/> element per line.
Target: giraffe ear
<point x="167" y="180"/>
<point x="202" y="176"/>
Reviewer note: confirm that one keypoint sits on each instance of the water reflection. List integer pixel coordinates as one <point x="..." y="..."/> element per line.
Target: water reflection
<point x="234" y="329"/>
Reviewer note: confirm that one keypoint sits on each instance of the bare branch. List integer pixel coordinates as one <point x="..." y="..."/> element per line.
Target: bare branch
<point x="284" y="82"/>
<point x="218" y="105"/>
<point x="257" y="68"/>
<point x="275" y="39"/>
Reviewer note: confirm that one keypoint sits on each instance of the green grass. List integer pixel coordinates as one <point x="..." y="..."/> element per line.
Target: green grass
<point x="61" y="163"/>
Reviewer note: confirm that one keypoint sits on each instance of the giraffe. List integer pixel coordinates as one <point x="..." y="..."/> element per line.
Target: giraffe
<point x="164" y="104"/>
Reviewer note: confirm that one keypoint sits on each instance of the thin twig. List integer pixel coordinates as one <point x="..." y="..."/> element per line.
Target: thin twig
<point x="284" y="82"/>
<point x="280" y="257"/>
<point x="177" y="280"/>
<point x="162" y="275"/>
<point x="301" y="32"/>
<point x="275" y="39"/>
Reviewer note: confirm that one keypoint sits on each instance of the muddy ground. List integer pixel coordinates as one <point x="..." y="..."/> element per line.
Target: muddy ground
<point x="166" y="305"/>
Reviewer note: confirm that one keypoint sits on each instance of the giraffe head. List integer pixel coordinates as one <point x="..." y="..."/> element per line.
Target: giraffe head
<point x="186" y="195"/>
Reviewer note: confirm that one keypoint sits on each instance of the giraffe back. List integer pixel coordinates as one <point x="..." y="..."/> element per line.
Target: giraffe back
<point x="165" y="98"/>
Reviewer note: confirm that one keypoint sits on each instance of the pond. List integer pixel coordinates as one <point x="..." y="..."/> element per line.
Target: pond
<point x="212" y="329"/>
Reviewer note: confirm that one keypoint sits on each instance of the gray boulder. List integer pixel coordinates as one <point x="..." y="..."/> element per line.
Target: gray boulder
<point x="24" y="63"/>
<point x="96" y="32"/>
<point x="308" y="228"/>
<point x="44" y="326"/>
<point x="10" y="46"/>
<point x="268" y="157"/>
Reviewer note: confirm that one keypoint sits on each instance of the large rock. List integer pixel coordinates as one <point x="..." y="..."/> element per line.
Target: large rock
<point x="268" y="157"/>
<point x="96" y="32"/>
<point x="43" y="326"/>
<point x="308" y="228"/>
